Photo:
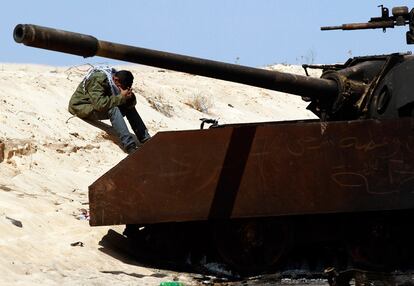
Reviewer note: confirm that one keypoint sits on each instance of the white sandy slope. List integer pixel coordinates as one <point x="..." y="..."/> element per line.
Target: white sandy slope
<point x="48" y="160"/>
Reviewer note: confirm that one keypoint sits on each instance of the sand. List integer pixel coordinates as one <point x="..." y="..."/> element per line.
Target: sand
<point x="48" y="159"/>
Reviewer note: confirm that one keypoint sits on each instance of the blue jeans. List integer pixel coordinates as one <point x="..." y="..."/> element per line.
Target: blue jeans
<point x="115" y="115"/>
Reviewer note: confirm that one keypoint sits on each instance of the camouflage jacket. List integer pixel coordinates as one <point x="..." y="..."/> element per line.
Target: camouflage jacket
<point x="96" y="96"/>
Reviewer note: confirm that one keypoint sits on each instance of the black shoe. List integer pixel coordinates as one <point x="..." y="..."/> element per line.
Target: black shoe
<point x="145" y="139"/>
<point x="131" y="148"/>
<point x="146" y="136"/>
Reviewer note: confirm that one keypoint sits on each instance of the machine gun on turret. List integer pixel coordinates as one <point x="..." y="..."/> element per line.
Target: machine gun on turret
<point x="400" y="17"/>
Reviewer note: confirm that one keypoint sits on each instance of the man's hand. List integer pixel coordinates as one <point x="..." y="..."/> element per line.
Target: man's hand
<point x="127" y="93"/>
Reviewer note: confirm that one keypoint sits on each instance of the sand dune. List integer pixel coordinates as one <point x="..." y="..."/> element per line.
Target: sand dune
<point x="48" y="159"/>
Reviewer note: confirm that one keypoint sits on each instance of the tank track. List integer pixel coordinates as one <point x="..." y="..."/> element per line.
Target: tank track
<point x="357" y="249"/>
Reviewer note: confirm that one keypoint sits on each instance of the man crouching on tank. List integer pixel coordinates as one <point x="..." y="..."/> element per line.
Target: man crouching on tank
<point x="105" y="93"/>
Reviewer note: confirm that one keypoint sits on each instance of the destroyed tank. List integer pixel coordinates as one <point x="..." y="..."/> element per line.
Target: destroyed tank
<point x="268" y="195"/>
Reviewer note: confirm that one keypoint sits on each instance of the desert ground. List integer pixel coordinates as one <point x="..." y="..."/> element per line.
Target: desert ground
<point x="49" y="158"/>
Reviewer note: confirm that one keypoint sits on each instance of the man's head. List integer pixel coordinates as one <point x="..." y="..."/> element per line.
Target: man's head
<point x="123" y="79"/>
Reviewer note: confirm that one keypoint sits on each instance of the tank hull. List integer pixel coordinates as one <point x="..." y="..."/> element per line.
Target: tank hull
<point x="260" y="170"/>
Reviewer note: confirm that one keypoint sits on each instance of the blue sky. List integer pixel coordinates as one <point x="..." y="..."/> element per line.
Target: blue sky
<point x="247" y="32"/>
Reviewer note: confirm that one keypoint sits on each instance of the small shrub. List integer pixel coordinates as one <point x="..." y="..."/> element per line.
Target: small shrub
<point x="200" y="102"/>
<point x="160" y="105"/>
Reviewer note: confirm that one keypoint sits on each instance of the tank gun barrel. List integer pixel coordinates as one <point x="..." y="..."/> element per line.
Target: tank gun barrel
<point x="88" y="46"/>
